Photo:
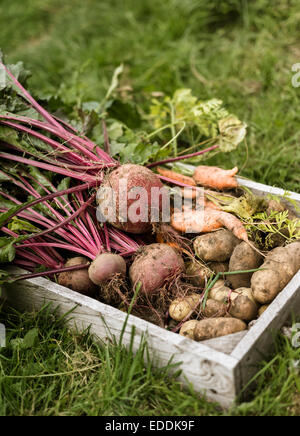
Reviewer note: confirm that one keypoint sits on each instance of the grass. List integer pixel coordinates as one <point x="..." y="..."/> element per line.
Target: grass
<point x="69" y="374"/>
<point x="236" y="50"/>
<point x="239" y="51"/>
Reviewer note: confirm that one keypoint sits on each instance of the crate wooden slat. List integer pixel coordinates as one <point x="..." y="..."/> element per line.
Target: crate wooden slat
<point x="220" y="368"/>
<point x="207" y="369"/>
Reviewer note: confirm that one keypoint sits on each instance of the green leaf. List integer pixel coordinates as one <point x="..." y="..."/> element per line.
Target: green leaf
<point x="126" y="112"/>
<point x="115" y="81"/>
<point x="232" y="131"/>
<point x="35" y="145"/>
<point x="41" y="178"/>
<point x="245" y="206"/>
<point x="4" y="216"/>
<point x="4" y="177"/>
<point x="31" y="338"/>
<point x="5" y="203"/>
<point x="196" y="120"/>
<point x="17" y="225"/>
<point x="7" y="249"/>
<point x="3" y="275"/>
<point x="9" y="135"/>
<point x="20" y="73"/>
<point x="64" y="184"/>
<point x="115" y="130"/>
<point x="16" y="343"/>
<point x="11" y="101"/>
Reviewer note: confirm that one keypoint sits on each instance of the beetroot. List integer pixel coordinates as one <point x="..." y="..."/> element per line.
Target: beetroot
<point x="155" y="266"/>
<point x="137" y="200"/>
<point x="105" y="267"/>
<point x="78" y="281"/>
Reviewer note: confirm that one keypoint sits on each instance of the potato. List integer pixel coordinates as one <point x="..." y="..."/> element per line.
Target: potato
<point x="243" y="305"/>
<point x="215" y="246"/>
<point x="275" y="206"/>
<point x="220" y="292"/>
<point x="280" y="265"/>
<point x="181" y="307"/>
<point x="197" y="274"/>
<point x="216" y="327"/>
<point x="214" y="308"/>
<point x="243" y="258"/>
<point x="219" y="267"/>
<point x="79" y="280"/>
<point x="187" y="328"/>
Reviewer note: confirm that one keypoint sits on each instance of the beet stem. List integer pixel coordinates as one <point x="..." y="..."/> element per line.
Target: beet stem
<point x="178" y="158"/>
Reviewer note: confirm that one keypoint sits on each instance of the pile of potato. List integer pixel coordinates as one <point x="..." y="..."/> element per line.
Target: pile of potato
<point x="239" y="298"/>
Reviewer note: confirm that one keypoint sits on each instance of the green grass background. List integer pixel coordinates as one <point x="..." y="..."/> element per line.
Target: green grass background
<point x="237" y="50"/>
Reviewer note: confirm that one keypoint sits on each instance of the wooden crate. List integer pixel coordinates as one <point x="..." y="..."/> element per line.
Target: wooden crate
<point x="220" y="368"/>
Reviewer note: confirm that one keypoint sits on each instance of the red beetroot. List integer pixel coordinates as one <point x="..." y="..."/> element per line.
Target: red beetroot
<point x="105" y="267"/>
<point x="155" y="266"/>
<point x="138" y="199"/>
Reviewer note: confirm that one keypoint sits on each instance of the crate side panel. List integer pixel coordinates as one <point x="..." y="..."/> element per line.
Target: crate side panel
<point x="210" y="372"/>
<point x="258" y="343"/>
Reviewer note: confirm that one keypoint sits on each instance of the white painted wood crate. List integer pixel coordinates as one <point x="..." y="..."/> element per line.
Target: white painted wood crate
<point x="220" y="368"/>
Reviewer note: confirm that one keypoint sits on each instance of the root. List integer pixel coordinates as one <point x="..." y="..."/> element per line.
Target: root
<point x="155" y="307"/>
<point x="115" y="291"/>
<point x="165" y="234"/>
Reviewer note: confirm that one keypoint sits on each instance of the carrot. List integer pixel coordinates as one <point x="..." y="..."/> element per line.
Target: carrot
<point x="215" y="177"/>
<point x="233" y="224"/>
<point x="189" y="193"/>
<point x="194" y="221"/>
<point x="161" y="240"/>
<point x="176" y="176"/>
<point x="194" y="194"/>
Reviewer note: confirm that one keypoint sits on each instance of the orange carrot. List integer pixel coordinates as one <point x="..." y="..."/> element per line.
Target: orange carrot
<point x="233" y="224"/>
<point x="161" y="240"/>
<point x="195" y="221"/>
<point x="176" y="176"/>
<point x="189" y="193"/>
<point x="215" y="177"/>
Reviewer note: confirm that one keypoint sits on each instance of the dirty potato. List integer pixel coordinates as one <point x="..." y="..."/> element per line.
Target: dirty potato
<point x="220" y="292"/>
<point x="243" y="305"/>
<point x="214" y="308"/>
<point x="197" y="274"/>
<point x="243" y="258"/>
<point x="187" y="329"/>
<point x="181" y="307"/>
<point x="217" y="327"/>
<point x="280" y="266"/>
<point x="215" y="246"/>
